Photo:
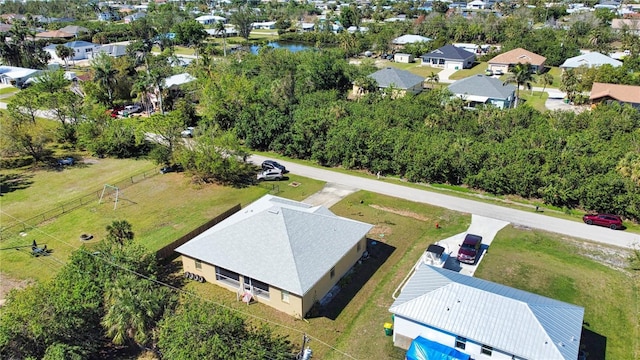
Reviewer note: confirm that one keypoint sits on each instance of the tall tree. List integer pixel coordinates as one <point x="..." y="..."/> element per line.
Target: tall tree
<point x="521" y="75"/>
<point x="221" y="30"/>
<point x="64" y="53"/>
<point x="546" y="79"/>
<point x="243" y="19"/>
<point x="104" y="74"/>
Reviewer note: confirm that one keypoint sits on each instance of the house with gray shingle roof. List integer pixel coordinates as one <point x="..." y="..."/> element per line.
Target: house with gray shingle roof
<point x="484" y="319"/>
<point x="479" y="90"/>
<point x="401" y="80"/>
<point x="283" y="253"/>
<point x="449" y="57"/>
<point x="590" y="60"/>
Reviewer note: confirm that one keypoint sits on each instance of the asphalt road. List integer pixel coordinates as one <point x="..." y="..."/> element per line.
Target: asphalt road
<point x="516" y="217"/>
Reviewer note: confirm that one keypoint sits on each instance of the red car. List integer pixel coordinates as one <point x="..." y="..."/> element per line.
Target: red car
<point x="470" y="249"/>
<point x="611" y="221"/>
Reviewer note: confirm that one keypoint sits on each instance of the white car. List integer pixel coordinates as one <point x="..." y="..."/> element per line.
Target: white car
<point x="271" y="174"/>
<point x="130" y="109"/>
<point x="188" y="132"/>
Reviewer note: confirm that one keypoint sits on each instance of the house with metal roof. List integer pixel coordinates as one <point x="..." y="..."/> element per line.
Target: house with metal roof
<point x="481" y="318"/>
<point x="16" y="76"/>
<point x="505" y="61"/>
<point x="480" y="90"/>
<point x="81" y="50"/>
<point x="283" y="253"/>
<point x="410" y="39"/>
<point x="608" y="93"/>
<point x="590" y="60"/>
<point x="401" y="81"/>
<point x="449" y="57"/>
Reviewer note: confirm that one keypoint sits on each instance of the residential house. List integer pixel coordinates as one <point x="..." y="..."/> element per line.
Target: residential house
<point x="112" y="50"/>
<point x="479" y="90"/>
<point x="403" y="58"/>
<point x="133" y="17"/>
<point x="175" y="81"/>
<point x="401" y="81"/>
<point x="449" y="57"/>
<point x="210" y="19"/>
<point x="484" y="319"/>
<point x="81" y="49"/>
<point x="505" y="61"/>
<point x="54" y="34"/>
<point x="355" y="29"/>
<point x="16" y="76"/>
<point x="476" y="5"/>
<point x="282" y="253"/>
<point x="607" y="93"/>
<point x="75" y="30"/>
<point x="265" y="25"/>
<point x="410" y="39"/>
<point x="632" y="25"/>
<point x="590" y="60"/>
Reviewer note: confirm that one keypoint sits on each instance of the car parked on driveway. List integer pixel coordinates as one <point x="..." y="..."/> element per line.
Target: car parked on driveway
<point x="271" y="174"/>
<point x="611" y="221"/>
<point x="272" y="164"/>
<point x="470" y="249"/>
<point x="130" y="109"/>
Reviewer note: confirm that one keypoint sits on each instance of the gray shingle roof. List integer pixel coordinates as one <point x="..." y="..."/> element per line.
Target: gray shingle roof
<point x="284" y="243"/>
<point x="518" y="322"/>
<point x="480" y="85"/>
<point x="400" y="79"/>
<point x="449" y="52"/>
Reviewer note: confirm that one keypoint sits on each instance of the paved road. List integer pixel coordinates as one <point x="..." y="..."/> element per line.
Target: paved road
<point x="516" y="217"/>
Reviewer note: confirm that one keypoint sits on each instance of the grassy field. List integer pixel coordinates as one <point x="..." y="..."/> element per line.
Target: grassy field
<point x="8" y="90"/>
<point x="535" y="99"/>
<point x="563" y="269"/>
<point x="160" y="209"/>
<point x="478" y="68"/>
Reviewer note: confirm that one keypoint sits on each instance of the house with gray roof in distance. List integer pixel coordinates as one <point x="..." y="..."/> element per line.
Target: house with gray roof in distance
<point x="401" y="81"/>
<point x="484" y="319"/>
<point x="75" y="30"/>
<point x="479" y="90"/>
<point x="283" y="253"/>
<point x="589" y="60"/>
<point x="449" y="57"/>
<point x="409" y="39"/>
<point x="113" y="50"/>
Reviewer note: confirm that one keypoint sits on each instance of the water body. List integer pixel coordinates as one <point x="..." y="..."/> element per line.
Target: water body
<point x="282" y="45"/>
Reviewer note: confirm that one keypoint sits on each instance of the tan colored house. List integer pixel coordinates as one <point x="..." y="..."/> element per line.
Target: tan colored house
<point x="625" y="94"/>
<point x="505" y="61"/>
<point x="632" y="25"/>
<point x="282" y="253"/>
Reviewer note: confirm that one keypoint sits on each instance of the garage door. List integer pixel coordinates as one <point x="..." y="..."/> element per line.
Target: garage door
<point x="454" y="65"/>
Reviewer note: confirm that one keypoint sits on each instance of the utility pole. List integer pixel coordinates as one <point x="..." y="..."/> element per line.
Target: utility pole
<point x="305" y="352"/>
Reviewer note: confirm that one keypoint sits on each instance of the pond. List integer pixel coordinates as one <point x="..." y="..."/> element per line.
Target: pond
<point x="293" y="47"/>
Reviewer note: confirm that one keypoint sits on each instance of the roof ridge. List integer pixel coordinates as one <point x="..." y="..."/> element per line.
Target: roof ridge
<point x="289" y="247"/>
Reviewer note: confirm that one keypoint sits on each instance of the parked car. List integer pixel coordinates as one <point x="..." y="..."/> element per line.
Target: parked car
<point x="171" y="168"/>
<point x="488" y="72"/>
<point x="188" y="132"/>
<point x="130" y="109"/>
<point x="498" y="72"/>
<point x="470" y="249"/>
<point x="272" y="164"/>
<point x="611" y="221"/>
<point x="66" y="161"/>
<point x="272" y="174"/>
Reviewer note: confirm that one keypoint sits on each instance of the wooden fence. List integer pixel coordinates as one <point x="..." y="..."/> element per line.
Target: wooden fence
<point x="167" y="252"/>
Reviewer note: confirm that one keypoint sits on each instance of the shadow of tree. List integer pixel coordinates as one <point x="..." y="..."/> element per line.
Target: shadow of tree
<point x="352" y="283"/>
<point x="12" y="182"/>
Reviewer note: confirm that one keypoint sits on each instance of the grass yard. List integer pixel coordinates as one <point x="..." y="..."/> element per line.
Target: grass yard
<point x="478" y="68"/>
<point x="8" y="90"/>
<point x="536" y="99"/>
<point x="179" y="50"/>
<point x="563" y="269"/>
<point x="160" y="209"/>
<point x="354" y="321"/>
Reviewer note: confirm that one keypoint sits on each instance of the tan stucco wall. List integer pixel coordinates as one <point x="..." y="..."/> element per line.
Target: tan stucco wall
<point x="320" y="289"/>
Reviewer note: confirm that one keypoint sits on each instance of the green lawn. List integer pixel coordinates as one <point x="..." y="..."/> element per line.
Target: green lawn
<point x="415" y="68"/>
<point x="478" y="68"/>
<point x="560" y="268"/>
<point x="8" y="90"/>
<point x="536" y="99"/>
<point x="179" y="50"/>
<point x="160" y="209"/>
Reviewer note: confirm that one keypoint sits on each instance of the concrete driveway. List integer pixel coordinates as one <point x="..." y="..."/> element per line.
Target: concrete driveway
<point x="480" y="225"/>
<point x="330" y="195"/>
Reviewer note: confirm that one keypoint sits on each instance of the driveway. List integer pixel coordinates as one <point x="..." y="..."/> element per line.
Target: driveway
<point x="330" y="195"/>
<point x="480" y="225"/>
<point x="522" y="218"/>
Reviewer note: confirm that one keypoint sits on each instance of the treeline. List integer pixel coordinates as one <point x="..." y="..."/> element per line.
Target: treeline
<point x="109" y="300"/>
<point x="295" y="104"/>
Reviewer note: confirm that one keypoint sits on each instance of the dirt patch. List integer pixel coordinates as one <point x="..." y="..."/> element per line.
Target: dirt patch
<point x="7" y="284"/>
<point x="380" y="231"/>
<point x="401" y="212"/>
<point x="611" y="256"/>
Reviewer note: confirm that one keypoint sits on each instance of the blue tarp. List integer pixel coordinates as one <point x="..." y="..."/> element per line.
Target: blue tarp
<point x="423" y="349"/>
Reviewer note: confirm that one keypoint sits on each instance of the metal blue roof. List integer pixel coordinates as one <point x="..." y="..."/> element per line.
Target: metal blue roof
<point x="514" y="321"/>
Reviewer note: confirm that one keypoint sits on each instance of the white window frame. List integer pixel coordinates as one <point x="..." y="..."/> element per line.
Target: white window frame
<point x="284" y="296"/>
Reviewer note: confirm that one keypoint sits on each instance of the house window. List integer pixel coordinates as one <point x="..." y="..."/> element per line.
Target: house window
<point x="227" y="276"/>
<point x="332" y="273"/>
<point x="440" y="61"/>
<point x="486" y="350"/>
<point x="284" y="296"/>
<point x="257" y="287"/>
<point x="461" y="343"/>
<point x="358" y="247"/>
<point x="198" y="264"/>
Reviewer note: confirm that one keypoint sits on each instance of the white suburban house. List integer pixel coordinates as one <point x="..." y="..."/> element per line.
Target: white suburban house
<point x="282" y="253"/>
<point x="484" y="319"/>
<point x="16" y="76"/>
<point x="81" y="50"/>
<point x="449" y="57"/>
<point x="589" y="60"/>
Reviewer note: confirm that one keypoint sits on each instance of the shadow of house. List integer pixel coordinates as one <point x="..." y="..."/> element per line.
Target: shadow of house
<point x="352" y="282"/>
<point x="593" y="345"/>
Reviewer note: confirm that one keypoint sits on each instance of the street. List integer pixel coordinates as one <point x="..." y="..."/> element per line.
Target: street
<point x="515" y="217"/>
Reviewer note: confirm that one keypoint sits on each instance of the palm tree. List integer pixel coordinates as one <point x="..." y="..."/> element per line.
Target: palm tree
<point x="521" y="75"/>
<point x="433" y="78"/>
<point x="105" y="74"/>
<point x="64" y="53"/>
<point x="132" y="306"/>
<point x="119" y="232"/>
<point x="546" y="79"/>
<point x="140" y="89"/>
<point x="220" y="29"/>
